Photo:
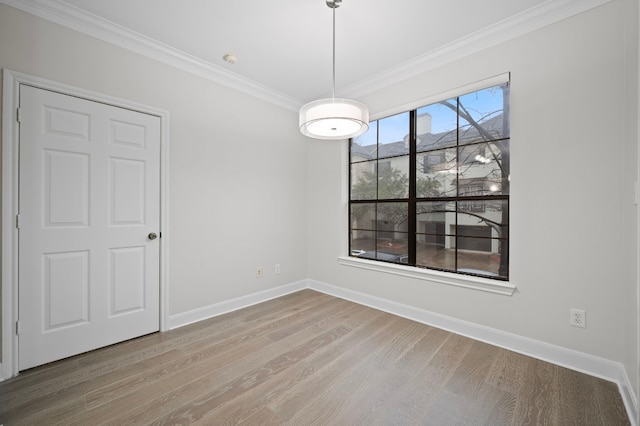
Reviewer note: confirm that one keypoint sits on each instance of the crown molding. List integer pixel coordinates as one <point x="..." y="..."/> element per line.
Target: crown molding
<point x="530" y="20"/>
<point x="76" y="19"/>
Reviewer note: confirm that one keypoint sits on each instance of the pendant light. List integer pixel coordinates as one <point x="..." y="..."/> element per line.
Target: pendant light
<point x="334" y="118"/>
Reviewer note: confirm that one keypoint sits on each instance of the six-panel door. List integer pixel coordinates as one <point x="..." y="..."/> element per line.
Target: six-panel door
<point x="89" y="198"/>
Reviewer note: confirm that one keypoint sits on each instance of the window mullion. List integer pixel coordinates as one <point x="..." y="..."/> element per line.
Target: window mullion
<point x="411" y="208"/>
<point x="457" y="198"/>
<point x="349" y="165"/>
<point x="377" y="208"/>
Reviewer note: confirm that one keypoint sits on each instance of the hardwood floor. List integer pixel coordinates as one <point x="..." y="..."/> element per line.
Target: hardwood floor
<point x="307" y="358"/>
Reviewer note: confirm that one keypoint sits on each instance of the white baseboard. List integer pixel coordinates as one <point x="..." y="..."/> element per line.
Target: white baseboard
<point x="630" y="398"/>
<point x="216" y="309"/>
<point x="574" y="360"/>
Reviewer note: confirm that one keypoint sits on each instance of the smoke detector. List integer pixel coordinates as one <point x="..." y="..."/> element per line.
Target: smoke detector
<point x="230" y="58"/>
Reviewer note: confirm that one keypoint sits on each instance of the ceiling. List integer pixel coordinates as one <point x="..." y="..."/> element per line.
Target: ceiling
<point x="284" y="47"/>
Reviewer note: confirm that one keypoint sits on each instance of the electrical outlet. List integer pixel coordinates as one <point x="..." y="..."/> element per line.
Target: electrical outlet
<point x="578" y="318"/>
<point x="276" y="269"/>
<point x="259" y="272"/>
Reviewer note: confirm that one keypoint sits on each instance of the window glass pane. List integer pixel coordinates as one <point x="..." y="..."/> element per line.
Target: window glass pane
<point x="383" y="167"/>
<point x="394" y="249"/>
<point x="432" y="251"/>
<point x="393" y="178"/>
<point x="436" y="173"/>
<point x="490" y="215"/>
<point x="435" y="217"/>
<point x="392" y="217"/>
<point x="362" y="242"/>
<point x="436" y="126"/>
<point x="363" y="180"/>
<point x="362" y="153"/>
<point x="366" y="144"/>
<point x="481" y="115"/>
<point x="483" y="260"/>
<point x="475" y="244"/>
<point x="436" y="241"/>
<point x="482" y="166"/>
<point x="502" y="150"/>
<point x="392" y="237"/>
<point x="435" y="245"/>
<point x="363" y="216"/>
<point x="394" y="135"/>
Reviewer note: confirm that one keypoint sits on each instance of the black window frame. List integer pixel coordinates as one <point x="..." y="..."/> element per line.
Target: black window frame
<point x="469" y="202"/>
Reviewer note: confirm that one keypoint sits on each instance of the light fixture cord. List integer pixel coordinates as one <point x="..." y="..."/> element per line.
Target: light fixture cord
<point x="334" y="53"/>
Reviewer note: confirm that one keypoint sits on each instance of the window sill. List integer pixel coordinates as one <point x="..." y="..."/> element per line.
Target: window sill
<point x="466" y="281"/>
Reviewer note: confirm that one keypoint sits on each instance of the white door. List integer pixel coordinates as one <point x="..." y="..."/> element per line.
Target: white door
<point x="89" y="201"/>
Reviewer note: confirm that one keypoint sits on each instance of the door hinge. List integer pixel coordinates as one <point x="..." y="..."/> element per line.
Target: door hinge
<point x="19" y="115"/>
<point x="17" y="328"/>
<point x="18" y="221"/>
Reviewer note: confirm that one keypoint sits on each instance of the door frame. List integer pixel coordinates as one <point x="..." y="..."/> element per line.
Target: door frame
<point x="10" y="191"/>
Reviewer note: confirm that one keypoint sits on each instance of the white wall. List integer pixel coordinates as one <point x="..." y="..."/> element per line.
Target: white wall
<point x="631" y="216"/>
<point x="237" y="164"/>
<point x="573" y="221"/>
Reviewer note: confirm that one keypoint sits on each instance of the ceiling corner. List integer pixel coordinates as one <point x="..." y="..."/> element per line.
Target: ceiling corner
<point x="537" y="17"/>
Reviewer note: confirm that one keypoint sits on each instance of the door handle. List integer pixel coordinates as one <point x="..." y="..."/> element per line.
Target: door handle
<point x="152" y="236"/>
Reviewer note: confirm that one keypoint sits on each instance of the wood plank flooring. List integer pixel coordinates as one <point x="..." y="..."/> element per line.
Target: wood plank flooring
<point x="302" y="359"/>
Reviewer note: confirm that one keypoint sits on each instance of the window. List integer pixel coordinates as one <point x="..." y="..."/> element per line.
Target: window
<point x="430" y="187"/>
